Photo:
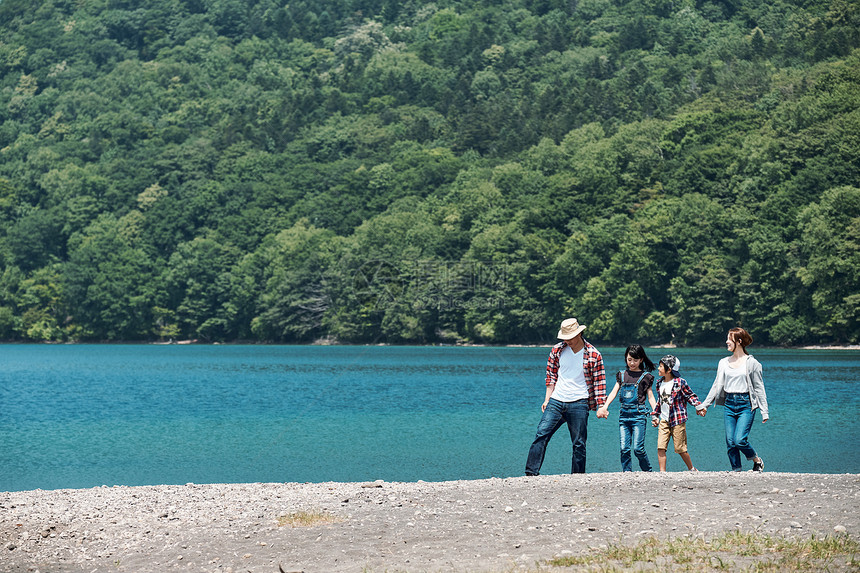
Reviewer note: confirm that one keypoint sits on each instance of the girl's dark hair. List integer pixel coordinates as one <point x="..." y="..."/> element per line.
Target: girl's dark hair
<point x="742" y="337"/>
<point x="637" y="352"/>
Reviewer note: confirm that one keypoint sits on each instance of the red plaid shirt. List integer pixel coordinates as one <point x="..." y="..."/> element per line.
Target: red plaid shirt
<point x="592" y="367"/>
<point x="681" y="394"/>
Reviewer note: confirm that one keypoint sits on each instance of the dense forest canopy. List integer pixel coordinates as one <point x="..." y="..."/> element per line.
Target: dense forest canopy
<point x="413" y="172"/>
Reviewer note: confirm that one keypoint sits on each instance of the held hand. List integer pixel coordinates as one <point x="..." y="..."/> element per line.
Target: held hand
<point x="602" y="412"/>
<point x="654" y="422"/>
<point x="702" y="412"/>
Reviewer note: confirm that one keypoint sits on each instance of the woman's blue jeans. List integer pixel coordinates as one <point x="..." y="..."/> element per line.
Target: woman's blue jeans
<point x="556" y="414"/>
<point x="632" y="429"/>
<point x="739" y="417"/>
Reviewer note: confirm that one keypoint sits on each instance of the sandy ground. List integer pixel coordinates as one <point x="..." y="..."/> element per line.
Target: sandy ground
<point x="493" y="525"/>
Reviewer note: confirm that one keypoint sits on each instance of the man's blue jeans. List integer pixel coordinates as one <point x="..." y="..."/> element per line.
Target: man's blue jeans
<point x="633" y="429"/>
<point x="556" y="414"/>
<point x="739" y="417"/>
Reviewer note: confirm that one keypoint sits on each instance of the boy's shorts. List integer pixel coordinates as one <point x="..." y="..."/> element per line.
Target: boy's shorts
<point x="677" y="433"/>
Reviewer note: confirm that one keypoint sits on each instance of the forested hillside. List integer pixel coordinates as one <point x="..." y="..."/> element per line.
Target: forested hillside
<point x="407" y="172"/>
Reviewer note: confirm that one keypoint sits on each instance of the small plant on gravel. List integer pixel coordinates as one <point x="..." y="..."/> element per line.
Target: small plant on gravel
<point x="307" y="519"/>
<point x="734" y="550"/>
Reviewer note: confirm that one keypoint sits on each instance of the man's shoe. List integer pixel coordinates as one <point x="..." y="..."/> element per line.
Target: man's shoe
<point x="758" y="465"/>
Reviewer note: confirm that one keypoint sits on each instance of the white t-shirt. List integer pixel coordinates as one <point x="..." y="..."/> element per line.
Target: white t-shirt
<point x="665" y="391"/>
<point x="570" y="385"/>
<point x="736" y="378"/>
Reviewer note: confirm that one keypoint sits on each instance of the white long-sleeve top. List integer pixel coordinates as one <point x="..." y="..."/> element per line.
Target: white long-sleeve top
<point x="755" y="386"/>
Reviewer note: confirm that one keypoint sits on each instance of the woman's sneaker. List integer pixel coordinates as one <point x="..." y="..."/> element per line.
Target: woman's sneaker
<point x="758" y="465"/>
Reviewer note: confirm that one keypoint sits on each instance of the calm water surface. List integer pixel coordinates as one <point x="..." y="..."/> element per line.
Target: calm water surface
<point x="88" y="415"/>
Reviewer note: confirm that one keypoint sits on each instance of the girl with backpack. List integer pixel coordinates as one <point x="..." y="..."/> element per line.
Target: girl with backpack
<point x="634" y="387"/>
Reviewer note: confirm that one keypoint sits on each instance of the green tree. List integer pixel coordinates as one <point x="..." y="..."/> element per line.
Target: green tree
<point x="38" y="301"/>
<point x="109" y="282"/>
<point x="702" y="298"/>
<point x="296" y="297"/>
<point x="831" y="251"/>
<point x="198" y="280"/>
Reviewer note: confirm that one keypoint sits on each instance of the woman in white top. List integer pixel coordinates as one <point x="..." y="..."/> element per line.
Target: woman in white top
<point x="740" y="388"/>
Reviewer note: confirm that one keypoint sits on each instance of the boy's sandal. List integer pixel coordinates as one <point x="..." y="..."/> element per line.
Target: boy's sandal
<point x="693" y="470"/>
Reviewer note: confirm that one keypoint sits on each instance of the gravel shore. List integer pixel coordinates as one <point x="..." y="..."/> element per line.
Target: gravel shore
<point x="492" y="525"/>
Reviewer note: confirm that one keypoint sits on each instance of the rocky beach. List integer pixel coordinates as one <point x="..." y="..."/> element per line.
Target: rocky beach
<point x="491" y="525"/>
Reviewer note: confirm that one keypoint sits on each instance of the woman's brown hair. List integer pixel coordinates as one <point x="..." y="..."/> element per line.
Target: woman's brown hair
<point x="742" y="337"/>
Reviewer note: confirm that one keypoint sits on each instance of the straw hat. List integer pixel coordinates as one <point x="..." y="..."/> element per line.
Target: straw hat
<point x="570" y="327"/>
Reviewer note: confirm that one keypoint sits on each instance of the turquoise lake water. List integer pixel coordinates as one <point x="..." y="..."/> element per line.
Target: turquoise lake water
<point x="81" y="416"/>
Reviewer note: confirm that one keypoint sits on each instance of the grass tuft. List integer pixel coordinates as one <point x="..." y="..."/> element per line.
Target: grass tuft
<point x="307" y="519"/>
<point x="731" y="551"/>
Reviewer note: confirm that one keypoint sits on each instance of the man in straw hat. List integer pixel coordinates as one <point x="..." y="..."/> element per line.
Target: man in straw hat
<point x="575" y="384"/>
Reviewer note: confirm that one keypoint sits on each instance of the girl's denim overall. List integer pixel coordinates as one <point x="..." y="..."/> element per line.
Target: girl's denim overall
<point x="631" y="426"/>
